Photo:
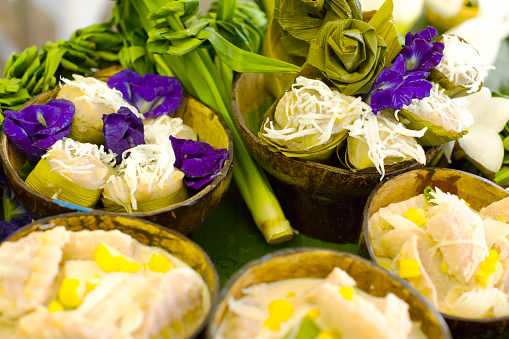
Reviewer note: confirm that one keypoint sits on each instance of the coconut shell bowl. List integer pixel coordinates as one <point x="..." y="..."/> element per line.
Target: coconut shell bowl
<point x="145" y="232"/>
<point x="182" y="217"/>
<point x="318" y="263"/>
<point x="477" y="191"/>
<point x="321" y="201"/>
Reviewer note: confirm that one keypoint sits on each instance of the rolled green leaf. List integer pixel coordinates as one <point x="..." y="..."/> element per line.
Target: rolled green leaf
<point x="434" y="135"/>
<point x="51" y="184"/>
<point x="350" y="54"/>
<point x="383" y="22"/>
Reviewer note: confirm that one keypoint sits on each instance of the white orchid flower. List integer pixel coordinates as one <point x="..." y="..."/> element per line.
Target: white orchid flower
<point x="482" y="143"/>
<point x="406" y="12"/>
<point x="486" y="31"/>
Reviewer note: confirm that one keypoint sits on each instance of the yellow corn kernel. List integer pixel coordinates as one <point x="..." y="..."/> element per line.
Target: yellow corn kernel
<point x="92" y="282"/>
<point x="55" y="306"/>
<point x="466" y="203"/>
<point x="330" y="334"/>
<point x="444" y="267"/>
<point x="280" y="310"/>
<point x="104" y="259"/>
<point x="492" y="257"/>
<point x="313" y="314"/>
<point x="68" y="294"/>
<point x="272" y="324"/>
<point x="409" y="268"/>
<point x="159" y="263"/>
<point x="500" y="217"/>
<point x="346" y="292"/>
<point x="126" y="266"/>
<point x="417" y="216"/>
<point x="290" y="295"/>
<point x="109" y="262"/>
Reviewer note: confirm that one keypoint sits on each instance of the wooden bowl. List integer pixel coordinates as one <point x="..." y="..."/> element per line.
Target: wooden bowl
<point x="295" y="263"/>
<point x="477" y="191"/>
<point x="321" y="201"/>
<point x="182" y="217"/>
<point x="146" y="232"/>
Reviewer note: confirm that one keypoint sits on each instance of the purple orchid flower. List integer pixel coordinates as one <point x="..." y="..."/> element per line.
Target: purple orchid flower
<point x="393" y="88"/>
<point x="199" y="161"/>
<point x="152" y="94"/>
<point x="122" y="130"/>
<point x="37" y="127"/>
<point x="419" y="53"/>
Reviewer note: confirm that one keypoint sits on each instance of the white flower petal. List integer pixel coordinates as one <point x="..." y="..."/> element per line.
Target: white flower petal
<point x="484" y="34"/>
<point x="483" y="144"/>
<point x="493" y="112"/>
<point x="469" y="100"/>
<point x="447" y="149"/>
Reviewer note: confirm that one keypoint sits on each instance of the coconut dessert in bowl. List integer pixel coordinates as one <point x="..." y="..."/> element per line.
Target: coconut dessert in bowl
<point x="297" y="293"/>
<point x="129" y="144"/>
<point x="363" y="108"/>
<point x="92" y="275"/>
<point x="445" y="232"/>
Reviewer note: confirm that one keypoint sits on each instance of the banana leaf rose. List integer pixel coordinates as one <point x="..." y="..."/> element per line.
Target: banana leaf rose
<point x="350" y="54"/>
<point x="37" y="127"/>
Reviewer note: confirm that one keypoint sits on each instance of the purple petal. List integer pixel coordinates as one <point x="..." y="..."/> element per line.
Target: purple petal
<point x="152" y="94"/>
<point x="200" y="167"/>
<point x="122" y="130"/>
<point x="121" y="80"/>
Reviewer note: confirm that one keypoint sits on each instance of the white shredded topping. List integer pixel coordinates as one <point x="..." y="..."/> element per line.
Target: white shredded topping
<point x="462" y="64"/>
<point x="76" y="149"/>
<point x="442" y="111"/>
<point x="154" y="162"/>
<point x="311" y="108"/>
<point x="158" y="131"/>
<point x="97" y="91"/>
<point x="387" y="138"/>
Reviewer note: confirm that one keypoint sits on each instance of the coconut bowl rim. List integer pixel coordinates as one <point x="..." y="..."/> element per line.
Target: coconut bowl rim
<point x="369" y="247"/>
<point x="31" y="227"/>
<point x="226" y="170"/>
<point x="296" y="250"/>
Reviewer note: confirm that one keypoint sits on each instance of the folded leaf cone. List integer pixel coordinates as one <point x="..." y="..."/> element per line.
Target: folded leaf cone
<point x="434" y="135"/>
<point x="321" y="153"/>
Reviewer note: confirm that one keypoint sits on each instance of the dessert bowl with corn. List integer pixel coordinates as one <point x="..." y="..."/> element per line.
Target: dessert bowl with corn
<point x="92" y="275"/>
<point x="298" y="292"/>
<point x="445" y="232"/>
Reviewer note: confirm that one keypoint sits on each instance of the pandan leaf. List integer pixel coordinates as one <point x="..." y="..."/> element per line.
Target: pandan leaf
<point x="383" y="22"/>
<point x="434" y="135"/>
<point x="452" y="90"/>
<point x="306" y="329"/>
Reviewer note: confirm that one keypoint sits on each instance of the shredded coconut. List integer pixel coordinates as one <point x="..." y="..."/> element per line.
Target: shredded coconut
<point x="311" y="108"/>
<point x="154" y="162"/>
<point x="97" y="91"/>
<point x="462" y="64"/>
<point x="442" y="111"/>
<point x="387" y="138"/>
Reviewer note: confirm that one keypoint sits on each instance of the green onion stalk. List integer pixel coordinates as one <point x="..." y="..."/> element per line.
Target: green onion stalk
<point x="191" y="49"/>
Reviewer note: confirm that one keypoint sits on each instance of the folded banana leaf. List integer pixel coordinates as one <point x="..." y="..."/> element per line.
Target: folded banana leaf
<point x="434" y="135"/>
<point x="320" y="154"/>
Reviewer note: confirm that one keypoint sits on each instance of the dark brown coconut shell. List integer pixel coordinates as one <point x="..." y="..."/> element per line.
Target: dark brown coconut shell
<point x="147" y="233"/>
<point x="477" y="191"/>
<point x="182" y="217"/>
<point x="321" y="201"/>
<point x="318" y="263"/>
